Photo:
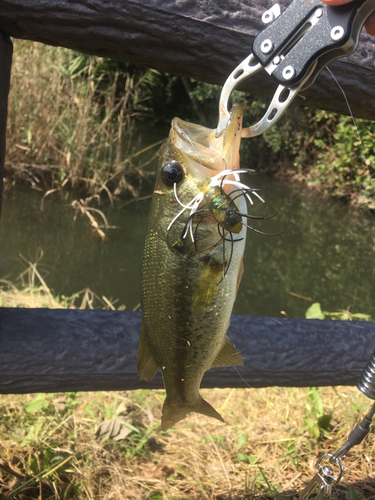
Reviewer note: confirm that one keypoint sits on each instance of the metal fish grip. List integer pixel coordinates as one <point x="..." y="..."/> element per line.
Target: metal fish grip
<point x="326" y="477"/>
<point x="293" y="49"/>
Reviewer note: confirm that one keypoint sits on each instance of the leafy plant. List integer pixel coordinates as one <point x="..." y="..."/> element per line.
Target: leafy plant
<point x="37" y="404"/>
<point x="315" y="312"/>
<point x="316" y="422"/>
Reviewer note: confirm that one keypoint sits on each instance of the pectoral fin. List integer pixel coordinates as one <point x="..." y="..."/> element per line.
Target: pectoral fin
<point x="207" y="285"/>
<point x="228" y="356"/>
<point x="146" y="365"/>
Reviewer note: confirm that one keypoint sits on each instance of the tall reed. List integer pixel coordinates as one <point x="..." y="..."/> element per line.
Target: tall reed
<point x="69" y="115"/>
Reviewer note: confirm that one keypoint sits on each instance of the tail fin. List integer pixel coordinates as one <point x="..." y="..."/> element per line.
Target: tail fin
<point x="173" y="413"/>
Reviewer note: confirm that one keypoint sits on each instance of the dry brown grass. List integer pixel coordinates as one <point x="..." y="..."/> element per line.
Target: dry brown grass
<point x="199" y="459"/>
<point x="31" y="291"/>
<point x="70" y="120"/>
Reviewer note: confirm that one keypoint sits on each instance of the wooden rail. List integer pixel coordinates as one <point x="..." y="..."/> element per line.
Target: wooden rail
<point x="202" y="40"/>
<point x="51" y="350"/>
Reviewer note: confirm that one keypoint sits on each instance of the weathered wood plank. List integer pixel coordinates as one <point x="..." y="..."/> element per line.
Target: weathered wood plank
<point x="43" y="350"/>
<point x="202" y="40"/>
<point x="6" y="49"/>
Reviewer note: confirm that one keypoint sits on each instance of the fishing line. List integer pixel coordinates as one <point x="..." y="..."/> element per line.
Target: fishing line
<point x="261" y="232"/>
<point x="241" y="377"/>
<point x="355" y="124"/>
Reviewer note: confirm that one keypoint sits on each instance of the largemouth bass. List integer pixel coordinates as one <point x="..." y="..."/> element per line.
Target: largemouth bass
<point x="186" y="304"/>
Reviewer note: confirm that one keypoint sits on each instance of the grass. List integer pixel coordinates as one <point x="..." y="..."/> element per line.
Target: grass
<point x="49" y="448"/>
<point x="31" y="290"/>
<point x="71" y="121"/>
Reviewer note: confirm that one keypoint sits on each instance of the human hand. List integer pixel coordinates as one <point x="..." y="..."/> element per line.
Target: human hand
<point x="369" y="24"/>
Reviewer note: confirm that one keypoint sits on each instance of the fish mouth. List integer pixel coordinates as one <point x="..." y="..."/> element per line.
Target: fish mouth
<point x="208" y="161"/>
<point x="206" y="155"/>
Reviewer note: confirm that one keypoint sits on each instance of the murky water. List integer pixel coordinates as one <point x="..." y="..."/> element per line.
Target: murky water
<point x="327" y="251"/>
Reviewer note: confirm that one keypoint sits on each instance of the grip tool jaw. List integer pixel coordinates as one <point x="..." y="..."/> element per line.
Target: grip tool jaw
<point x="321" y="484"/>
<point x="294" y="48"/>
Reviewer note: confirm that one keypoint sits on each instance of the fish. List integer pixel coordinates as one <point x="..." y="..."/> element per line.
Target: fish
<point x="186" y="304"/>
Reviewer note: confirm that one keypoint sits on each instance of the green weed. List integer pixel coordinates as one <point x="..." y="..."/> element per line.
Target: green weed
<point x="315" y="312"/>
<point x="53" y="449"/>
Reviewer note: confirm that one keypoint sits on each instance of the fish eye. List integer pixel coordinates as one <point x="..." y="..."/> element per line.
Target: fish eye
<point x="172" y="173"/>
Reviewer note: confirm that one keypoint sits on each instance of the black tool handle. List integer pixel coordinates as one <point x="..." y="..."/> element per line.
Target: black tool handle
<point x="309" y="32"/>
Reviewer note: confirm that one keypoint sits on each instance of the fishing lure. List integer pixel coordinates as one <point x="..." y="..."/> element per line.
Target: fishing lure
<point x="213" y="201"/>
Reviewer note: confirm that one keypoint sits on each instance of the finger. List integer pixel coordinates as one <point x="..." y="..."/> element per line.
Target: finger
<point x="370" y="24"/>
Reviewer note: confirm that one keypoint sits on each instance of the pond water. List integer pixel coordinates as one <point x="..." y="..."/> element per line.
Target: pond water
<point x="326" y="252"/>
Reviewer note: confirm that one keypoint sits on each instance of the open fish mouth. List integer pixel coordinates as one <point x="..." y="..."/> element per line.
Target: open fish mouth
<point x="205" y="153"/>
<point x="212" y="161"/>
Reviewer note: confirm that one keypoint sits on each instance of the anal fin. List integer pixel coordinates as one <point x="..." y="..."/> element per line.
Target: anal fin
<point x="146" y="365"/>
<point x="228" y="356"/>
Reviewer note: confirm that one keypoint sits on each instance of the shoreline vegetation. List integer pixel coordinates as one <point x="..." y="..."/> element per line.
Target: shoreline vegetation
<point x="31" y="291"/>
<point x="108" y="445"/>
<point x="68" y="118"/>
<point x="79" y="123"/>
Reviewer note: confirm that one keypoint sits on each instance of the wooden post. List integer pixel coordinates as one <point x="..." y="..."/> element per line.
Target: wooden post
<point x="6" y="50"/>
<point x="51" y="350"/>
